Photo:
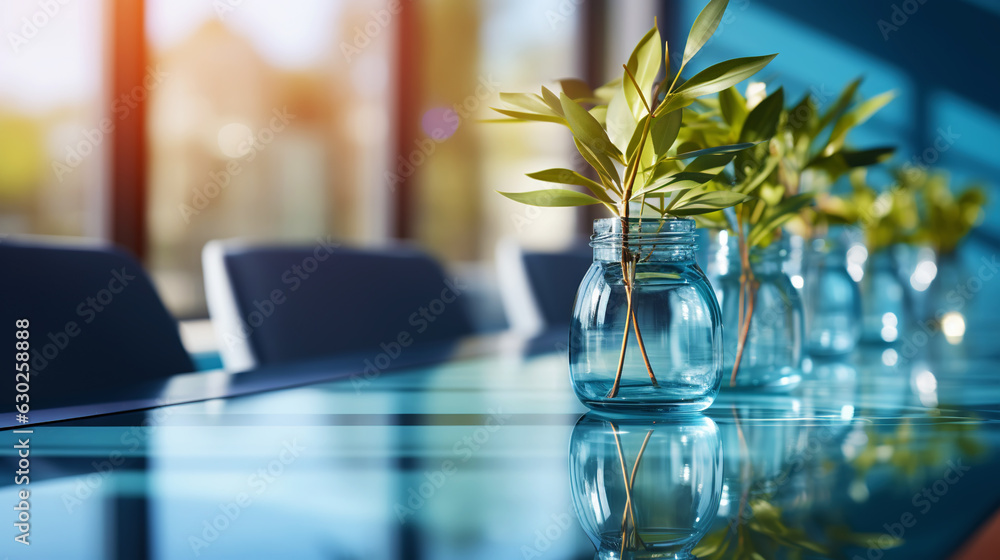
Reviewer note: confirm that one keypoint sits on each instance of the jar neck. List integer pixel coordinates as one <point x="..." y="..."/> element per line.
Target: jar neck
<point x="653" y="240"/>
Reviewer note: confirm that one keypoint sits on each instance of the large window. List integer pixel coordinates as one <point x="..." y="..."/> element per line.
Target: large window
<point x="53" y="125"/>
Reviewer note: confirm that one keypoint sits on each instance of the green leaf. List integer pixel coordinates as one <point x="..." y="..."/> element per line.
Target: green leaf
<point x="666" y="60"/>
<point x="712" y="164"/>
<point x="703" y="28"/>
<point x="570" y="177"/>
<point x="762" y="122"/>
<point x="552" y="198"/>
<point x="675" y="182"/>
<point x="720" y="76"/>
<point x="844" y="101"/>
<point x="600" y="112"/>
<point x="855" y="117"/>
<point x="718" y="199"/>
<point x="711" y="220"/>
<point x="523" y="116"/>
<point x="644" y="64"/>
<point x="584" y="126"/>
<point x="647" y="158"/>
<point x="758" y="175"/>
<point x="527" y="102"/>
<point x="552" y="101"/>
<point x="587" y="130"/>
<point x="664" y="131"/>
<point x="620" y="122"/>
<point x="604" y="167"/>
<point x="778" y="216"/>
<point x="715" y="150"/>
<point x="734" y="107"/>
<point x="695" y="209"/>
<point x="802" y="117"/>
<point x="840" y="162"/>
<point x="681" y="197"/>
<point x="633" y="144"/>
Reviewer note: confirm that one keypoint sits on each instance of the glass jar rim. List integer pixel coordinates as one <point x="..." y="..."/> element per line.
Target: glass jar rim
<point x="676" y="233"/>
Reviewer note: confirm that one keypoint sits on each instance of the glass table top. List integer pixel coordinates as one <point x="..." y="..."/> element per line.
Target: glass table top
<point x="490" y="455"/>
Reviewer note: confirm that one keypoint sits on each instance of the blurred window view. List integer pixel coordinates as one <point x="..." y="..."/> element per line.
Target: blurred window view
<point x="53" y="125"/>
<point x="273" y="122"/>
<point x="471" y="52"/>
<point x="277" y="122"/>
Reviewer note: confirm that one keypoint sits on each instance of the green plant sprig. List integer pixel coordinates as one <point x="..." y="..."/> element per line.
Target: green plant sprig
<point x="629" y="127"/>
<point x="633" y="124"/>
<point x="767" y="202"/>
<point x="919" y="208"/>
<point x="804" y="143"/>
<point x="946" y="217"/>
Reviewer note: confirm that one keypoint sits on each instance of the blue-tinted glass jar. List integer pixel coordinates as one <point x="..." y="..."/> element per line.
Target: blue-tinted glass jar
<point x="675" y="362"/>
<point x="884" y="297"/>
<point x="645" y="488"/>
<point x="772" y="352"/>
<point x="832" y="299"/>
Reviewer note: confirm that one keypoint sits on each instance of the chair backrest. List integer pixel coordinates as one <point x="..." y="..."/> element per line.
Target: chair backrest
<point x="538" y="288"/>
<point x="95" y="319"/>
<point x="283" y="304"/>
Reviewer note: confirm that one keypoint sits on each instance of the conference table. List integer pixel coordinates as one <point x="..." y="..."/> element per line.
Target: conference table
<point x="473" y="450"/>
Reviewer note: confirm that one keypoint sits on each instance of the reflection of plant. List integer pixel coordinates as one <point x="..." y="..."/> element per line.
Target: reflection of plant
<point x="916" y="459"/>
<point x="761" y="529"/>
<point x="763" y="533"/>
<point x="631" y="540"/>
<point x="634" y="123"/>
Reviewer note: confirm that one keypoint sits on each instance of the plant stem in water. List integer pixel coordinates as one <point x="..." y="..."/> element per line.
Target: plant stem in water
<point x="621" y="357"/>
<point x="751" y="287"/>
<point x="642" y="349"/>
<point x="748" y="284"/>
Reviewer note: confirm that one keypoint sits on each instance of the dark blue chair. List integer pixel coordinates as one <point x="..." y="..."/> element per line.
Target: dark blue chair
<point x="538" y="288"/>
<point x="274" y="305"/>
<point x="96" y="323"/>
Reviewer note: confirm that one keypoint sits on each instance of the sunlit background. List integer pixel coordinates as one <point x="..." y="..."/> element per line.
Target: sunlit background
<point x="359" y="118"/>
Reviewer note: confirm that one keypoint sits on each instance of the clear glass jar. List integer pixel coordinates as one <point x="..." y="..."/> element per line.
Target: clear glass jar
<point x="884" y="297"/>
<point x="675" y="363"/>
<point x="831" y="299"/>
<point x="674" y="471"/>
<point x="772" y="350"/>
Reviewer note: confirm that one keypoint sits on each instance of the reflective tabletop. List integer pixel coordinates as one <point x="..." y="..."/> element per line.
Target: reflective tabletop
<point x="488" y="454"/>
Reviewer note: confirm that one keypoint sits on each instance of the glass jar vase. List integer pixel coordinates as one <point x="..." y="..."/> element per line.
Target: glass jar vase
<point x="763" y="317"/>
<point x="831" y="299"/>
<point x="646" y="334"/>
<point x="884" y="297"/>
<point x="645" y="488"/>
